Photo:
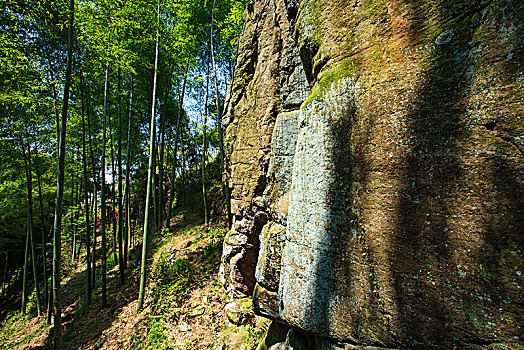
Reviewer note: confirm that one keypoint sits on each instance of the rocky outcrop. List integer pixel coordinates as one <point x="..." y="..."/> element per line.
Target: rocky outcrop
<point x="376" y="168"/>
<point x="269" y="84"/>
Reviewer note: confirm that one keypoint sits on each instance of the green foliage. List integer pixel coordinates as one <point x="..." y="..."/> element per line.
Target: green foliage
<point x="164" y="232"/>
<point x="29" y="29"/>
<point x="230" y="25"/>
<point x="172" y="276"/>
<point x="114" y="30"/>
<point x="156" y="336"/>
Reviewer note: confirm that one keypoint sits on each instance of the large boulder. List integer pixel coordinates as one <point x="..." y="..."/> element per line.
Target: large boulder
<point x="377" y="171"/>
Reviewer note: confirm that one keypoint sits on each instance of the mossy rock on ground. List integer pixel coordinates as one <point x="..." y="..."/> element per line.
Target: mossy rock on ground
<point x="239" y="310"/>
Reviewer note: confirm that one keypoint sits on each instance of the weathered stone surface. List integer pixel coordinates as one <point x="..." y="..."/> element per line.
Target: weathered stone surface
<point x="251" y="113"/>
<point x="297" y="340"/>
<point x="249" y="124"/>
<point x="283" y="145"/>
<point x="268" y="266"/>
<point x="318" y="224"/>
<point x="265" y="302"/>
<point x="238" y="309"/>
<point x="294" y="87"/>
<point x="325" y="345"/>
<point x="404" y="223"/>
<point x="238" y="251"/>
<point x="233" y="338"/>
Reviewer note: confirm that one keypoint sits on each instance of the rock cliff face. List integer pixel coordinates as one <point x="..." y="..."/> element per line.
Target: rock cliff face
<point x="377" y="173"/>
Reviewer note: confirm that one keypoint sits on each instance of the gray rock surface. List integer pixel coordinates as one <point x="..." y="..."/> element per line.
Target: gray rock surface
<point x="318" y="225"/>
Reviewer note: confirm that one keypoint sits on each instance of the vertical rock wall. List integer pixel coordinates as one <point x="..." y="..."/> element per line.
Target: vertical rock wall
<point x="376" y="161"/>
<point x="268" y="87"/>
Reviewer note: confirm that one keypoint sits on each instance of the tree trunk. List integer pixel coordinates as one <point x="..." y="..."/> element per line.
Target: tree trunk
<point x="161" y="170"/>
<point x="103" y="196"/>
<point x="4" y="281"/>
<point x="182" y="173"/>
<point x="79" y="193"/>
<point x="127" y="192"/>
<point x="95" y="200"/>
<point x="50" y="301"/>
<point x="153" y="179"/>
<point x="86" y="197"/>
<point x="24" y="278"/>
<point x="204" y="151"/>
<point x="177" y="135"/>
<point x="150" y="174"/>
<point x="161" y="173"/>
<point x="93" y="260"/>
<point x="120" y="209"/>
<point x="55" y="99"/>
<point x="57" y="236"/>
<point x="72" y="213"/>
<point x="113" y="190"/>
<point x="78" y="241"/>
<point x="30" y="223"/>
<point x="42" y="219"/>
<point x="33" y="260"/>
<point x="129" y="236"/>
<point x="220" y="131"/>
<point x="5" y="274"/>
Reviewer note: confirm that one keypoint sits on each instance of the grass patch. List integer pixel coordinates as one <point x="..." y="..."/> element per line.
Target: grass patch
<point x="156" y="336"/>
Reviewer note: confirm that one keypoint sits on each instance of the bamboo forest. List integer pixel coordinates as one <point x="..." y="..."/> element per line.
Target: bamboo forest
<point x="262" y="174"/>
<point x="110" y="136"/>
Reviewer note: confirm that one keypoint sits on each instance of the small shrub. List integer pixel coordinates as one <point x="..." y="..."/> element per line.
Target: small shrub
<point x="164" y="232"/>
<point x="172" y="276"/>
<point x="155" y="336"/>
<point x="217" y="233"/>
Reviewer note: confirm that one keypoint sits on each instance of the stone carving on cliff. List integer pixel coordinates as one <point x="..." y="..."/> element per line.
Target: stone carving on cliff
<point x="377" y="172"/>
